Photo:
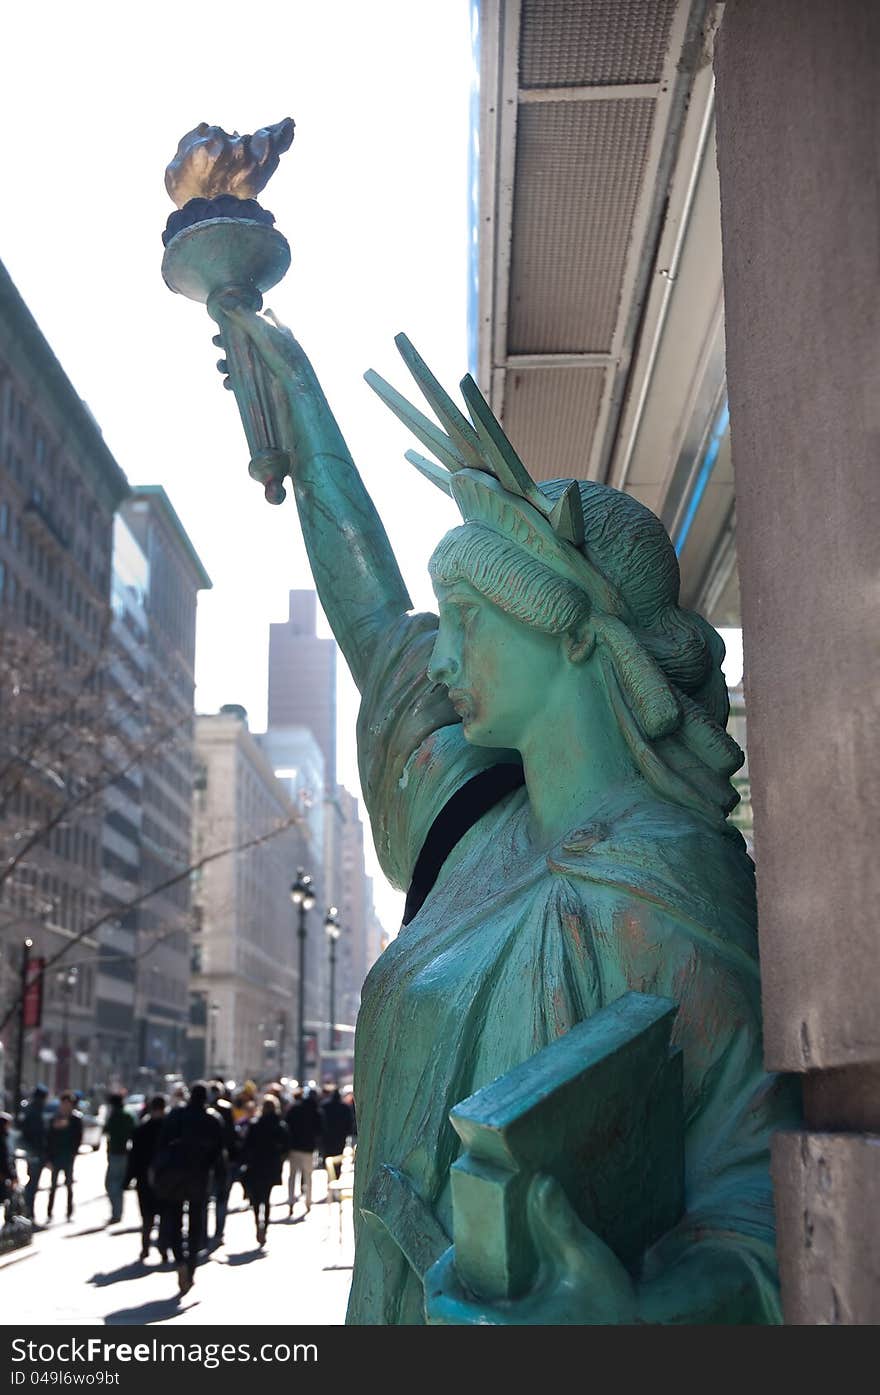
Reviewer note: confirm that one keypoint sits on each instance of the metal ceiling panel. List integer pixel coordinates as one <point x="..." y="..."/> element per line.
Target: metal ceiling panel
<point x="579" y="169"/>
<point x="551" y="416"/>
<point x="606" y="42"/>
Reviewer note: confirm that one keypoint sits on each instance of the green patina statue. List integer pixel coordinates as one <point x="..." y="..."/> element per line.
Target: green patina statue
<point x="547" y="775"/>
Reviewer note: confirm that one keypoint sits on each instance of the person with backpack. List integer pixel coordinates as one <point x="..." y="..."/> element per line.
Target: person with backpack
<point x="190" y="1145"/>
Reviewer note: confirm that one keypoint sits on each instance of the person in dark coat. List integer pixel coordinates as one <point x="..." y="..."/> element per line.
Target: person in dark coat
<point x="337" y="1125"/>
<point x="8" y="1173"/>
<point x="144" y="1147"/>
<point x="190" y="1144"/>
<point x="63" y="1140"/>
<point x="304" y="1127"/>
<point x="32" y="1128"/>
<point x="224" y="1169"/>
<point x="118" y="1130"/>
<point x="265" y="1147"/>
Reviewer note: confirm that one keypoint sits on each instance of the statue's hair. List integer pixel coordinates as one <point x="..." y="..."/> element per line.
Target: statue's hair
<point x="632" y="548"/>
<point x="518" y="584"/>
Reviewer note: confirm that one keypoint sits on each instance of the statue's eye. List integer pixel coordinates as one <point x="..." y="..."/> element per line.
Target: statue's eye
<point x="467" y="613"/>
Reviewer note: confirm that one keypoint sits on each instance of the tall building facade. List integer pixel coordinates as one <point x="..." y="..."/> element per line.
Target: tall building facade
<point x="355" y="910"/>
<point x="164" y="922"/>
<point x="302" y="700"/>
<point x="59" y="488"/>
<point x="246" y="952"/>
<point x="302" y="678"/>
<point x="117" y="1054"/>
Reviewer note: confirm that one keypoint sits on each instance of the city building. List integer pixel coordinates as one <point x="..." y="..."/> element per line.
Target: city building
<point x="59" y="489"/>
<point x="164" y="922"/>
<point x="302" y="679"/>
<point x="244" y="1020"/>
<point x="355" y="916"/>
<point x="298" y="762"/>
<point x="302" y="710"/>
<point x="117" y="1053"/>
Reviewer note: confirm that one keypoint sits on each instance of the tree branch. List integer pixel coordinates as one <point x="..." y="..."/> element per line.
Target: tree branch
<point x="114" y="913"/>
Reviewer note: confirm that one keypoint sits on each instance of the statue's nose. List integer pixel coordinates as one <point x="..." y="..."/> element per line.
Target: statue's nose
<point x="442" y="667"/>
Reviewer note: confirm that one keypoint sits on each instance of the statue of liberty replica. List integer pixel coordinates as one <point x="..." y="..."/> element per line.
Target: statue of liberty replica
<point x="563" y="1112"/>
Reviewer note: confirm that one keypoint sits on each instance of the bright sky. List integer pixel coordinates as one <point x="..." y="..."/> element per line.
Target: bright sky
<point x="373" y="199"/>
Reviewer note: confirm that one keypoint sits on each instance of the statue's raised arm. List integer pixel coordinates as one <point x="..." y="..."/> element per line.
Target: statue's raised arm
<point x="222" y="248"/>
<point x="356" y="575"/>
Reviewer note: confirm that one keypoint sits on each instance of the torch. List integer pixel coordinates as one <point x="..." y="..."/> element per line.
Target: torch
<point x="222" y="249"/>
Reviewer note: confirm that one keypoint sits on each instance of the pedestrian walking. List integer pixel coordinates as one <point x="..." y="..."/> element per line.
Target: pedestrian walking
<point x="223" y="1171"/>
<point x="141" y="1157"/>
<point x="304" y="1128"/>
<point x="337" y="1125"/>
<point x="33" y="1133"/>
<point x="265" y="1148"/>
<point x="190" y="1145"/>
<point x="244" y="1111"/>
<point x="64" y="1137"/>
<point x="8" y="1174"/>
<point x="17" y="1229"/>
<point x="118" y="1129"/>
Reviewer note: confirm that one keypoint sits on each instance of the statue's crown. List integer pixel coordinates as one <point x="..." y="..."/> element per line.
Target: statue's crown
<point x="478" y="444"/>
<point x="484" y="475"/>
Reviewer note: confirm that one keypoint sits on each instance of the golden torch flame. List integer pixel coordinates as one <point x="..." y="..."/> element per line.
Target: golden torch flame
<point x="210" y="162"/>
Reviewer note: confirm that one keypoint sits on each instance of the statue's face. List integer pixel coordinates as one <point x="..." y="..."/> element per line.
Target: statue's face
<point x="497" y="669"/>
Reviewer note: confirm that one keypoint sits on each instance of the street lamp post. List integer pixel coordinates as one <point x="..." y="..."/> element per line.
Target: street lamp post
<point x="333" y="929"/>
<point x="67" y="981"/>
<point x="302" y="896"/>
<point x="26" y="948"/>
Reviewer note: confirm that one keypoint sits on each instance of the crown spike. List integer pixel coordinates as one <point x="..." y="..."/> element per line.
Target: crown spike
<point x="463" y="435"/>
<point x="433" y="472"/>
<point x="428" y="433"/>
<point x="567" y="517"/>
<point x="506" y="464"/>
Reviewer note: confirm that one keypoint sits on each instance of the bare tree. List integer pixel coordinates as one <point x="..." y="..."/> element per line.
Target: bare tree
<point x="72" y="732"/>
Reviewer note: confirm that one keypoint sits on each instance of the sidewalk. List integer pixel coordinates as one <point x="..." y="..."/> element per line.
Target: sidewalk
<point x="86" y="1272"/>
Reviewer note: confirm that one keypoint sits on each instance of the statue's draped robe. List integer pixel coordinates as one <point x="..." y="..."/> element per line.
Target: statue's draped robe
<point x="512" y="947"/>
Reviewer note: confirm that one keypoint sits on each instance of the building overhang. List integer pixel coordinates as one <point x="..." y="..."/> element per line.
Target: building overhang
<point x="600" y="337"/>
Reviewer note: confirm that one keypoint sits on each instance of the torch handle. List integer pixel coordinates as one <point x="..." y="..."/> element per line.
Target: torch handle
<point x="249" y="380"/>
